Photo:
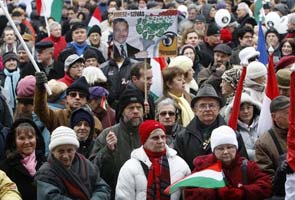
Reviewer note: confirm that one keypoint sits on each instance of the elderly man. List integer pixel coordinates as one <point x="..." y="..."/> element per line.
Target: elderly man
<point x="67" y="174"/>
<point x="113" y="146"/>
<point x="195" y="140"/>
<point x="53" y="69"/>
<point x="76" y="96"/>
<point x="273" y="143"/>
<point x="291" y="26"/>
<point x="212" y="74"/>
<point x="283" y="78"/>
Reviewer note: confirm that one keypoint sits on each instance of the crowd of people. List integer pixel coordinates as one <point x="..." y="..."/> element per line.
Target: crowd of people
<point x="104" y="133"/>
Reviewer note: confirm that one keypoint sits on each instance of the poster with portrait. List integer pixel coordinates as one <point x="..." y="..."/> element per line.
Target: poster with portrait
<point x="145" y="33"/>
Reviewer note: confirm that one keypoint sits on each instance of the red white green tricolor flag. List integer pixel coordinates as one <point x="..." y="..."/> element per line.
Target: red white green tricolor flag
<point x="50" y="8"/>
<point x="96" y="18"/>
<point x="211" y="177"/>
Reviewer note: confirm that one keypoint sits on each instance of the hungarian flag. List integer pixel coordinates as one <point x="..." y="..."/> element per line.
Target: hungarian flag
<point x="158" y="64"/>
<point x="96" y="18"/>
<point x="50" y="8"/>
<point x="291" y="131"/>
<point x="211" y="177"/>
<point x="271" y="91"/>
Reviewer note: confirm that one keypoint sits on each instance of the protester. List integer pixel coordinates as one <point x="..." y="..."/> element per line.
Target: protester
<point x="152" y="167"/>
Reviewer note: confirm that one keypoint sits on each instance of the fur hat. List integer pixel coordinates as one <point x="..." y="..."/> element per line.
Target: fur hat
<point x="279" y="103"/>
<point x="283" y="78"/>
<point x="207" y="90"/>
<point x="255" y="70"/>
<point x="63" y="135"/>
<point x="248" y="52"/>
<point x="182" y="62"/>
<point x="147" y="127"/>
<point x="223" y="135"/>
<point x="57" y="88"/>
<point x="94" y="75"/>
<point x="232" y="76"/>
<point x="79" y="85"/>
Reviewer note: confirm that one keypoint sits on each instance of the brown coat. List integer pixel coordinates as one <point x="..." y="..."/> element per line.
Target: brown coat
<point x="54" y="118"/>
<point x="266" y="153"/>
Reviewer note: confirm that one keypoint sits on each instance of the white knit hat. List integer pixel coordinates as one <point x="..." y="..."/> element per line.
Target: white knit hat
<point x="63" y="135"/>
<point x="255" y="70"/>
<point x="182" y="62"/>
<point x="223" y="135"/>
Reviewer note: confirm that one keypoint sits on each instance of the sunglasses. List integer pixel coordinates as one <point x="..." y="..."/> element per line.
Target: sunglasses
<point x="74" y="94"/>
<point x="170" y="113"/>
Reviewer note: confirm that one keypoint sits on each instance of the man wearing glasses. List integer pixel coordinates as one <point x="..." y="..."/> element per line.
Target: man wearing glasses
<point x="195" y="141"/>
<point x="76" y="96"/>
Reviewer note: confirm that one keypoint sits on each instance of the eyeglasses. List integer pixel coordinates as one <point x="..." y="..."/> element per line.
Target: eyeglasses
<point x="74" y="94"/>
<point x="78" y="65"/>
<point x="223" y="148"/>
<point x="207" y="106"/>
<point x="158" y="137"/>
<point x="164" y="113"/>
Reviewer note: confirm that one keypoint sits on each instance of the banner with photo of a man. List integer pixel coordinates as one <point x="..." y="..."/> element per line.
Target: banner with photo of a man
<point x="145" y="33"/>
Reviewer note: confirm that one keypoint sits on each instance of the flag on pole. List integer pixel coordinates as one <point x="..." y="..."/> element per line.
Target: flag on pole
<point x="50" y="8"/>
<point x="233" y="119"/>
<point x="211" y="177"/>
<point x="96" y="18"/>
<point x="291" y="131"/>
<point x="158" y="64"/>
<point x="261" y="46"/>
<point x="257" y="10"/>
<point x="271" y="91"/>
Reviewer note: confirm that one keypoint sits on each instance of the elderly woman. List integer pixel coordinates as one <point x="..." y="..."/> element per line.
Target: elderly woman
<point x="247" y="122"/>
<point x="174" y="87"/>
<point x="67" y="174"/>
<point x="151" y="168"/>
<point x="244" y="179"/>
<point x="25" y="153"/>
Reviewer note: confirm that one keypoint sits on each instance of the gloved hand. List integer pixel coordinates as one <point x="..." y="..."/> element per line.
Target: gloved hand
<point x="41" y="78"/>
<point x="228" y="193"/>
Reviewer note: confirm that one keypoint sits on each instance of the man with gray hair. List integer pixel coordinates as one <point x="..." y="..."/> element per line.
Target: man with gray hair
<point x="291" y="26"/>
<point x="56" y="38"/>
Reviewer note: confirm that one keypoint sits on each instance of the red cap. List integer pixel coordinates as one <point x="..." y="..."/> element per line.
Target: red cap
<point x="147" y="127"/>
<point x="284" y="62"/>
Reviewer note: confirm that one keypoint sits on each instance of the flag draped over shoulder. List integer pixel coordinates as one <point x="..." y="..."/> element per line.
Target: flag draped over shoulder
<point x="96" y="18"/>
<point x="50" y="8"/>
<point x="291" y="131"/>
<point x="233" y="119"/>
<point x="261" y="46"/>
<point x="158" y="64"/>
<point x="271" y="91"/>
<point x="211" y="177"/>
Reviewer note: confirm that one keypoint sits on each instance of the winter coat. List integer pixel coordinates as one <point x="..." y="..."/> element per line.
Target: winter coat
<point x="54" y="118"/>
<point x="132" y="181"/>
<point x="289" y="186"/>
<point x="52" y="176"/>
<point x="257" y="187"/>
<point x="266" y="154"/>
<point x="8" y="189"/>
<point x="59" y="44"/>
<point x="190" y="143"/>
<point x="67" y="79"/>
<point x="13" y="167"/>
<point x="110" y="162"/>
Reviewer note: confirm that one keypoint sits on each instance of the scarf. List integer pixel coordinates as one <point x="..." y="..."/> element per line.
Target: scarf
<point x="10" y="85"/>
<point x="80" y="48"/>
<point x="186" y="112"/>
<point x="158" y="176"/>
<point x="76" y="179"/>
<point x="29" y="162"/>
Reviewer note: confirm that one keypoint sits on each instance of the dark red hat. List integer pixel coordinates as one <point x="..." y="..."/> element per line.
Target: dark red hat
<point x="147" y="127"/>
<point x="285" y="61"/>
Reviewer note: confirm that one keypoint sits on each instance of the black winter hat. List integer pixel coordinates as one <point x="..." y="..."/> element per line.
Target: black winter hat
<point x="80" y="85"/>
<point x="82" y="114"/>
<point x="9" y="55"/>
<point x="207" y="90"/>
<point x="127" y="97"/>
<point x="78" y="25"/>
<point x="94" y="29"/>
<point x="213" y="29"/>
<point x="90" y="54"/>
<point x="272" y="30"/>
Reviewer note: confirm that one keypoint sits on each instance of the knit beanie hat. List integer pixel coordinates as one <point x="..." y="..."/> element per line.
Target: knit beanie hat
<point x="255" y="70"/>
<point x="223" y="135"/>
<point x="232" y="76"/>
<point x="186" y="46"/>
<point x="63" y="135"/>
<point x="9" y="55"/>
<point x="79" y="85"/>
<point x="128" y="96"/>
<point x="182" y="62"/>
<point x="81" y="114"/>
<point x="147" y="127"/>
<point x="26" y="87"/>
<point x="94" y="29"/>
<point x="90" y="54"/>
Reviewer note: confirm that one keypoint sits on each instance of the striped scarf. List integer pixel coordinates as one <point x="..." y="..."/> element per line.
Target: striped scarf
<point x="158" y="176"/>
